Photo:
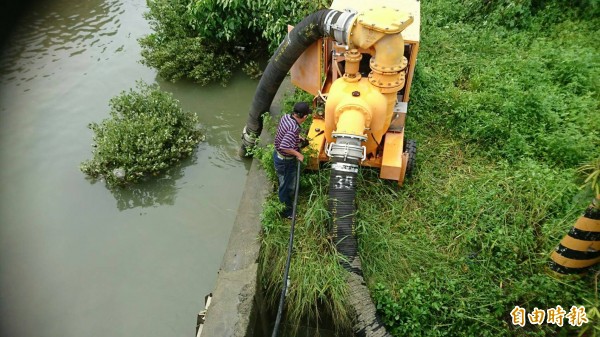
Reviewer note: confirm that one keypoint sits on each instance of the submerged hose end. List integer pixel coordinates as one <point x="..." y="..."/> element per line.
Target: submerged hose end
<point x="248" y="142"/>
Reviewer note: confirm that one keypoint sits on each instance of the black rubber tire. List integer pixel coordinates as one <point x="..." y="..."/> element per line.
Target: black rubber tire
<point x="410" y="146"/>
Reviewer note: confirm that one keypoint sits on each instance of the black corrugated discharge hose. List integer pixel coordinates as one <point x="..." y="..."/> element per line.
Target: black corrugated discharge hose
<point x="289" y="254"/>
<point x="342" y="195"/>
<point x="305" y="33"/>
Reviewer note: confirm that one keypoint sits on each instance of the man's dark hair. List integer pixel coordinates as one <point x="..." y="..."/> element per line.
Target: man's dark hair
<point x="301" y="109"/>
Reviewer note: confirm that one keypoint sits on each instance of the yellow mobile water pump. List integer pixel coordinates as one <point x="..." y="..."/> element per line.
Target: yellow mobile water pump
<point x="366" y="87"/>
<point x="358" y="59"/>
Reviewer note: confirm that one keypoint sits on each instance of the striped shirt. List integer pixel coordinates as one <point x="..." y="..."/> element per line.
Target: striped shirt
<point x="288" y="135"/>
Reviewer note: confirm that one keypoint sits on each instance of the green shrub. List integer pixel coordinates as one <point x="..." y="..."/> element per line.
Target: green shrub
<point x="245" y="23"/>
<point x="147" y="133"/>
<point x="177" y="51"/>
<point x="523" y="14"/>
<point x="188" y="58"/>
<point x="207" y="40"/>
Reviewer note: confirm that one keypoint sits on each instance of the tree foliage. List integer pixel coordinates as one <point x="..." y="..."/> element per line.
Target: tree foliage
<point x="205" y="40"/>
<point x="147" y="133"/>
<point x="177" y="51"/>
<point x="241" y="21"/>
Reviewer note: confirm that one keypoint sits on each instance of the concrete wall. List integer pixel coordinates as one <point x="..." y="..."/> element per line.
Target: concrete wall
<point x="233" y="311"/>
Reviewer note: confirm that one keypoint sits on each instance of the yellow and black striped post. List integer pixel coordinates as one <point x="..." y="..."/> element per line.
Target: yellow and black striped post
<point x="580" y="248"/>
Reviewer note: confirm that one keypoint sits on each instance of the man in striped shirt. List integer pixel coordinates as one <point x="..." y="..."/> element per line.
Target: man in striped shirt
<point x="287" y="148"/>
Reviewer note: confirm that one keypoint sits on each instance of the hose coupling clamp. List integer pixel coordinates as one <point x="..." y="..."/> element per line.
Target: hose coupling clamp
<point x="346" y="151"/>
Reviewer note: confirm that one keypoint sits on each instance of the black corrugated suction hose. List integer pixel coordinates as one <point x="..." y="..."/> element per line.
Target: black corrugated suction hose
<point x="304" y="34"/>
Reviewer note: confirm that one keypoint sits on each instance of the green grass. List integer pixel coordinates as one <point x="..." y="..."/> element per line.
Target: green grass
<point x="317" y="290"/>
<point x="465" y="241"/>
<point x="505" y="106"/>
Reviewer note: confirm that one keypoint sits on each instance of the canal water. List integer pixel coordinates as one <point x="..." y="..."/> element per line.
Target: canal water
<point x="77" y="259"/>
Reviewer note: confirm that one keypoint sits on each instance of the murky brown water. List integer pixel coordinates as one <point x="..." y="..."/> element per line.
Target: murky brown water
<point x="75" y="258"/>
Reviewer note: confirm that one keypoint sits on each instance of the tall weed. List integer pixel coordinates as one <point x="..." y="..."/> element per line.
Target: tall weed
<point x="518" y="93"/>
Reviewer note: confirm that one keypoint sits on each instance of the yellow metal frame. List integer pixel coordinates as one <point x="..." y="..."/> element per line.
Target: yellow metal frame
<point x="316" y="137"/>
<point x="375" y="31"/>
<point x="306" y="71"/>
<point x="392" y="161"/>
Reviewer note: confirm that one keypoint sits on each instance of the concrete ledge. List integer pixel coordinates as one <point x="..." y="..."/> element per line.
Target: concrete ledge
<point x="232" y="311"/>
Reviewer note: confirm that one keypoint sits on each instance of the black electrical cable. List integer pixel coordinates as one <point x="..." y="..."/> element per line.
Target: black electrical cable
<point x="289" y="255"/>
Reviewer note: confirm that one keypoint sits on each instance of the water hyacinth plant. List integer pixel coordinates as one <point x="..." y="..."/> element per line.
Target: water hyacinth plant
<point x="147" y="132"/>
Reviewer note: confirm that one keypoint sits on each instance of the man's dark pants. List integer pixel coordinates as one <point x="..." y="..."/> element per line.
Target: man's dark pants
<point x="286" y="173"/>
